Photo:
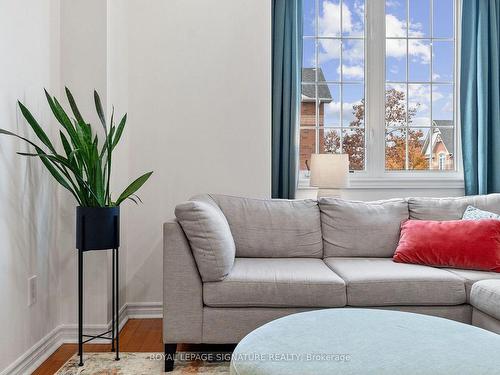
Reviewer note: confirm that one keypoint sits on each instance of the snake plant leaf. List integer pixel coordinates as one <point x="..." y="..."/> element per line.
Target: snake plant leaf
<point x="66" y="122"/>
<point x="60" y="114"/>
<point x="119" y="131"/>
<point x="73" y="106"/>
<point x="53" y="170"/>
<point x="99" y="185"/>
<point x="70" y="153"/>
<point x="36" y="127"/>
<point x="109" y="137"/>
<point x="100" y="112"/>
<point x="6" y="132"/>
<point x="133" y="187"/>
<point x="59" y="178"/>
<point x="54" y="158"/>
<point x="66" y="146"/>
<point x="57" y="159"/>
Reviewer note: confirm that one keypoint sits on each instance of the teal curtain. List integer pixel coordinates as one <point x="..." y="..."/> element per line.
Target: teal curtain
<point x="480" y="95"/>
<point x="286" y="93"/>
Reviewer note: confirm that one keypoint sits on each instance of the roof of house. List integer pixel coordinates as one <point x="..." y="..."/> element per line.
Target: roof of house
<point x="309" y="91"/>
<point x="443" y="131"/>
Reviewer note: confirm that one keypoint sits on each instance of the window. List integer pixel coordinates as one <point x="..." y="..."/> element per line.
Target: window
<point x="389" y="103"/>
<point x="333" y="87"/>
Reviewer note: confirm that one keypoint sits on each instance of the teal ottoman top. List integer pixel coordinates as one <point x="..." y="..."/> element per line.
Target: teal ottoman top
<point x="364" y="341"/>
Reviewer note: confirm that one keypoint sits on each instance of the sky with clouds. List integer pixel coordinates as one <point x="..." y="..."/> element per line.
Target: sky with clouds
<point x="419" y="54"/>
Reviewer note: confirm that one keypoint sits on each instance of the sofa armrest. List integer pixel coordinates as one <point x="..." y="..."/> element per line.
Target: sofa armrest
<point x="182" y="288"/>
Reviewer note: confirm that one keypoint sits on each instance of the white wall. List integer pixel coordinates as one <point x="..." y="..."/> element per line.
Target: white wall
<point x="84" y="67"/>
<point x="29" y="50"/>
<point x="200" y="109"/>
<point x="117" y="92"/>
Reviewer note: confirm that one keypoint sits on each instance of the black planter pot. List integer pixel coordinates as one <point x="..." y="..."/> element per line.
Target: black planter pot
<point x="97" y="228"/>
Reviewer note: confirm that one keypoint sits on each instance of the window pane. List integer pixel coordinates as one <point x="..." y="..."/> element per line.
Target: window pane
<point x="395" y="149"/>
<point x="353" y="18"/>
<point x="443" y="58"/>
<point x="442" y="104"/>
<point x="353" y="144"/>
<point x="395" y="18"/>
<point x="420" y="18"/>
<point x="443" y="18"/>
<point x="395" y="105"/>
<point x="419" y="105"/>
<point x="353" y="60"/>
<point x="333" y="79"/>
<point x="419" y="55"/>
<point x="308" y="8"/>
<point x="329" y="104"/>
<point x="329" y="59"/>
<point x="353" y="113"/>
<point x="417" y="158"/>
<point x="307" y="147"/>
<point x="308" y="60"/>
<point x="442" y="149"/>
<point x="395" y="60"/>
<point x="308" y="105"/>
<point x="330" y="140"/>
<point x="329" y="18"/>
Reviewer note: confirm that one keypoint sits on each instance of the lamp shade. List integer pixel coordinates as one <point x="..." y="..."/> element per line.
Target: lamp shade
<point x="330" y="171"/>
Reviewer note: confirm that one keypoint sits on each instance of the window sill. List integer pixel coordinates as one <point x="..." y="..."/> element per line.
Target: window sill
<point x="454" y="181"/>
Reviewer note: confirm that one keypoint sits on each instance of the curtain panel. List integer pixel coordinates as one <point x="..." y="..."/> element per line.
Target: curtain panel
<point x="480" y="95"/>
<point x="286" y="95"/>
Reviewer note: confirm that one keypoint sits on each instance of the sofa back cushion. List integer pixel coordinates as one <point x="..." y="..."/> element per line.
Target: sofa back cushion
<point x="451" y="208"/>
<point x="273" y="228"/>
<point x="361" y="229"/>
<point x="210" y="238"/>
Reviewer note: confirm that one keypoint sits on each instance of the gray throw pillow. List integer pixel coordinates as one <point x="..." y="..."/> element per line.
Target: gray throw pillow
<point x="210" y="238"/>
<point x="473" y="213"/>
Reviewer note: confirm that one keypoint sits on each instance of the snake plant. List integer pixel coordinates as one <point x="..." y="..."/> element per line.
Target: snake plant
<point x="84" y="168"/>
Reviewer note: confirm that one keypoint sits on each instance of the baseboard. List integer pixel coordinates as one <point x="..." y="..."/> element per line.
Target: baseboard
<point x="144" y="310"/>
<point x="67" y="334"/>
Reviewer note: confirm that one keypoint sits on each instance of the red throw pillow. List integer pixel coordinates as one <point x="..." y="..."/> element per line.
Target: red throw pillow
<point x="468" y="244"/>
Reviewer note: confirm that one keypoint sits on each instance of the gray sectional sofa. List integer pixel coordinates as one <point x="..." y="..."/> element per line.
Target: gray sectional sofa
<point x="297" y="255"/>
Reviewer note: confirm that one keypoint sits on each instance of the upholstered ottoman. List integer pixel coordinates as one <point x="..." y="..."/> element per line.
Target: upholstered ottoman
<point x="485" y="299"/>
<point x="366" y="342"/>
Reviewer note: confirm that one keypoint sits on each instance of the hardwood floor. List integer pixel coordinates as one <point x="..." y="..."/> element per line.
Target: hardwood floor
<point x="138" y="335"/>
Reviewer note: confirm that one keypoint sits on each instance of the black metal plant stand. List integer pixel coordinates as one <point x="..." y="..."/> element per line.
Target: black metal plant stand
<point x="99" y="229"/>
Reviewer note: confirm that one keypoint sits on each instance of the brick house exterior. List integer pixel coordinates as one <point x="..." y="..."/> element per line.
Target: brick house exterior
<point x="439" y="147"/>
<point x="308" y="114"/>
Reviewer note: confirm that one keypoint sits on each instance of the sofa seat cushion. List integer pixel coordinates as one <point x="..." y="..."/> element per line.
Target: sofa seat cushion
<point x="286" y="282"/>
<point x="472" y="276"/>
<point x="485" y="296"/>
<point x="382" y="282"/>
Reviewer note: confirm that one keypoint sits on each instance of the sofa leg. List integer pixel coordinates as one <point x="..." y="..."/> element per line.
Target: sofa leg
<point x="170" y="350"/>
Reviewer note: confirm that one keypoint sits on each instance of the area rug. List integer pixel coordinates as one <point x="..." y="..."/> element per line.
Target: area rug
<point x="138" y="364"/>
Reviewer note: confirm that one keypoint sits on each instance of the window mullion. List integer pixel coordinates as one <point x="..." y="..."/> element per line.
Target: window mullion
<point x="375" y="87"/>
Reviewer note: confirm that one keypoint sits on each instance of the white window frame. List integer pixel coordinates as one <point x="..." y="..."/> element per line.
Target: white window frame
<point x="441" y="161"/>
<point x="375" y="175"/>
